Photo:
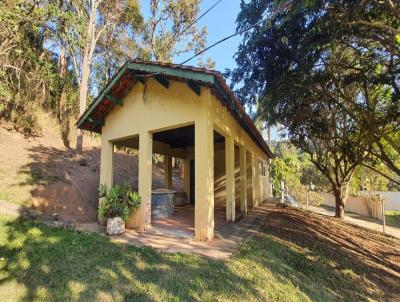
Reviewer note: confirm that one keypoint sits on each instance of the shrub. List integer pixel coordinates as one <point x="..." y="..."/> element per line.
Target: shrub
<point x="118" y="201"/>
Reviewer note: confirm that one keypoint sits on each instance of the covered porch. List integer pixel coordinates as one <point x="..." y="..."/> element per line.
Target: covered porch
<point x="218" y="177"/>
<point x="190" y="114"/>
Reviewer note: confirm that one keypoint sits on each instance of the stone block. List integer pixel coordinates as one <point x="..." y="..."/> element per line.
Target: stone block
<point x="115" y="226"/>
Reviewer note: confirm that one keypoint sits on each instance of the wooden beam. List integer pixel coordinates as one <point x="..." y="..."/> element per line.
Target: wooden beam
<point x="115" y="100"/>
<point x="96" y="122"/>
<point x="194" y="86"/>
<point x="140" y="79"/>
<point x="163" y="81"/>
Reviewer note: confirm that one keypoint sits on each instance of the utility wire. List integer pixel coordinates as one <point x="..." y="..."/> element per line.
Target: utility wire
<point x="270" y="17"/>
<point x="237" y="33"/>
<point x="201" y="16"/>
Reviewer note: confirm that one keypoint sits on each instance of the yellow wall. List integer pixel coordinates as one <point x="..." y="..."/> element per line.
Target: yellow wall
<point x="226" y="124"/>
<point x="155" y="108"/>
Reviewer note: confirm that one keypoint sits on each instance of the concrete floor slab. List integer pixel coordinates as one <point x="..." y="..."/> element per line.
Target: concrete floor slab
<point x="228" y="235"/>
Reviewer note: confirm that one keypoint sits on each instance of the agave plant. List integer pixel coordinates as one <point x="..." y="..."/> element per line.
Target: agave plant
<point x="117" y="201"/>
<point x="134" y="200"/>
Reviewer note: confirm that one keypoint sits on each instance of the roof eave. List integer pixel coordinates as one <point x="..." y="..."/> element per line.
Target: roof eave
<point x="209" y="78"/>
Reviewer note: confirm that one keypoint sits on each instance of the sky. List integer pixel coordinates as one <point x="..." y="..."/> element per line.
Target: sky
<point x="220" y="22"/>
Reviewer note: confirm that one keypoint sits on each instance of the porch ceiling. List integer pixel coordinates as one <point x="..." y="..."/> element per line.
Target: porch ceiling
<point x="181" y="138"/>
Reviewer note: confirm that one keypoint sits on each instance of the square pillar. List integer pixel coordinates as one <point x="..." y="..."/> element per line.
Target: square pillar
<point x="256" y="181"/>
<point x="186" y="179"/>
<point x="204" y="179"/>
<point x="253" y="180"/>
<point x="106" y="166"/>
<point x="106" y="163"/>
<point x="141" y="219"/>
<point x="168" y="171"/>
<point x="230" y="178"/>
<point x="243" y="180"/>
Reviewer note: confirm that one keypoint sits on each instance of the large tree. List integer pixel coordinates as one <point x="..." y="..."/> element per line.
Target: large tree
<point x="171" y="30"/>
<point x="78" y="26"/>
<point x="28" y="72"/>
<point x="316" y="67"/>
<point x="361" y="38"/>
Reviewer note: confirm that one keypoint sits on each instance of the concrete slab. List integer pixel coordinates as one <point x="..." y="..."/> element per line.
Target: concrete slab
<point x="228" y="236"/>
<point x="164" y="237"/>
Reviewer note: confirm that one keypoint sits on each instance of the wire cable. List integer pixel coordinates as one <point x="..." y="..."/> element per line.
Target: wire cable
<point x="237" y="33"/>
<point x="201" y="16"/>
<point x="270" y="17"/>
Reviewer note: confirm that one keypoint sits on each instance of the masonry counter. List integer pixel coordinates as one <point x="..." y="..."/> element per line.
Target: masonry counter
<point x="162" y="203"/>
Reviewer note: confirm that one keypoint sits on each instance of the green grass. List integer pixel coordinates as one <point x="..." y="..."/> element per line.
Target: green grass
<point x="40" y="263"/>
<point x="392" y="218"/>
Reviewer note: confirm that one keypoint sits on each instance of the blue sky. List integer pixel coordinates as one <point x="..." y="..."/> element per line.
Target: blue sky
<point x="220" y="22"/>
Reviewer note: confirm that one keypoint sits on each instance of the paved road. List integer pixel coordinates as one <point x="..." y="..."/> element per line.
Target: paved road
<point x="359" y="220"/>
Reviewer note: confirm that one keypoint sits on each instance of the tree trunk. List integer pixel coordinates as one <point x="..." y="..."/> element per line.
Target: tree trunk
<point x="83" y="89"/>
<point x="341" y="194"/>
<point x="63" y="111"/>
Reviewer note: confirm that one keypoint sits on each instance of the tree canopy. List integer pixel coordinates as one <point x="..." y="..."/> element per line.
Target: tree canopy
<point x="60" y="53"/>
<point x="328" y="71"/>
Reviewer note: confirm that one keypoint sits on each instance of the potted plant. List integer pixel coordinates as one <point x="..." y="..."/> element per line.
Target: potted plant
<point x="116" y="204"/>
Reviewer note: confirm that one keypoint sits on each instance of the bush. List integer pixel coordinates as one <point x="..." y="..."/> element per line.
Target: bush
<point x="118" y="201"/>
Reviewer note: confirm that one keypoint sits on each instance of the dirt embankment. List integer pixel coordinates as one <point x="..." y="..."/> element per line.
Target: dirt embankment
<point x="39" y="172"/>
<point x="369" y="259"/>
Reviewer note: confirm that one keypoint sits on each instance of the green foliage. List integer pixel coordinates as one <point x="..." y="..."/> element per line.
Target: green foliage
<point x="27" y="72"/>
<point x="328" y="72"/>
<point x="133" y="199"/>
<point x="167" y="33"/>
<point x="297" y="172"/>
<point x="54" y="54"/>
<point x="118" y="201"/>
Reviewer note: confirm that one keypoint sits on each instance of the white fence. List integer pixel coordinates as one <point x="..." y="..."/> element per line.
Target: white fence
<point x="356" y="204"/>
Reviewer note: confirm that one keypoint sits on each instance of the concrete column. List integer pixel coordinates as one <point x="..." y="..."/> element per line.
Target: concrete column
<point x="106" y="162"/>
<point x="256" y="182"/>
<point x="186" y="178"/>
<point x="243" y="180"/>
<point x="168" y="171"/>
<point x="204" y="179"/>
<point x="253" y="180"/>
<point x="141" y="219"/>
<point x="230" y="178"/>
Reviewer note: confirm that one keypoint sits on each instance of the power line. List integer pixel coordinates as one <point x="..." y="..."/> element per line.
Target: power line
<point x="273" y="14"/>
<point x="201" y="16"/>
<point x="237" y="33"/>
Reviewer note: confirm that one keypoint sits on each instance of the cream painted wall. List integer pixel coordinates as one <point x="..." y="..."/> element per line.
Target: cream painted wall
<point x="227" y="125"/>
<point x="155" y="108"/>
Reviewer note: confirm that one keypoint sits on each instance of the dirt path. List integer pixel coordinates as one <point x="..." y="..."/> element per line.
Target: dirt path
<point x="359" y="220"/>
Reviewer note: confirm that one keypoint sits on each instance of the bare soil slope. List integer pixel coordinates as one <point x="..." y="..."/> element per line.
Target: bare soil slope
<point x="368" y="262"/>
<point x="39" y="172"/>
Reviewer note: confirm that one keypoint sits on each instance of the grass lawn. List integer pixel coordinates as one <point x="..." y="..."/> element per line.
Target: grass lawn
<point x="392" y="218"/>
<point x="38" y="262"/>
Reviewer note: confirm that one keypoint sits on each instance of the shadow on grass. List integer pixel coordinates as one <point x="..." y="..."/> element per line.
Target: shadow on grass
<point x="60" y="265"/>
<point x="298" y="256"/>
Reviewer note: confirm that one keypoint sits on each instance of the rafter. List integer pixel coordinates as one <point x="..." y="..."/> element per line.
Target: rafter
<point x="163" y="81"/>
<point x="194" y="86"/>
<point x="115" y="100"/>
